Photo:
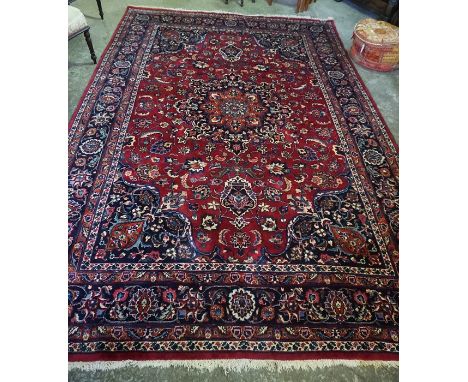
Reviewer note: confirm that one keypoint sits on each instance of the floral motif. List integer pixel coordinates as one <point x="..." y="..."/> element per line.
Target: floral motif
<point x="238" y="196"/>
<point x="234" y="109"/>
<point x="240" y="240"/>
<point x="386" y="309"/>
<point x="338" y="305"/>
<point x="195" y="165"/>
<point x="231" y="110"/>
<point x="231" y="52"/>
<point x="169" y="295"/>
<point x="277" y="168"/>
<point x="208" y="223"/>
<point x="241" y="304"/>
<point x="292" y="307"/>
<point x="91" y="146"/>
<point x="124" y="235"/>
<point x="217" y="312"/>
<point x="143" y="304"/>
<point x="269" y="224"/>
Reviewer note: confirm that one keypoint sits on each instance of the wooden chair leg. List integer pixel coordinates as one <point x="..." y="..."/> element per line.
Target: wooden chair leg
<point x="302" y="5"/>
<point x="90" y="45"/>
<point x="100" y="9"/>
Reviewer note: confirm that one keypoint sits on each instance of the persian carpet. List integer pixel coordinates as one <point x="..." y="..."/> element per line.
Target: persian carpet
<point x="232" y="194"/>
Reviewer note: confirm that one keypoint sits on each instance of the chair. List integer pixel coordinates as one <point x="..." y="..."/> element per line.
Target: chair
<point x="100" y="9"/>
<point x="99" y="5"/>
<point x="76" y="25"/>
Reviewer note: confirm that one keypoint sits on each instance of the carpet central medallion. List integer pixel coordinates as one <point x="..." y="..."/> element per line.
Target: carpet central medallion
<point x="232" y="188"/>
<point x="234" y="112"/>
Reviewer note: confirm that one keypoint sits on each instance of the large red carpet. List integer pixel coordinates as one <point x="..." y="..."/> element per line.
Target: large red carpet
<point x="233" y="192"/>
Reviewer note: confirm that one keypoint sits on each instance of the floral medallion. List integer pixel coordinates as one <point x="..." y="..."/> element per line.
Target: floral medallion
<point x="241" y="304"/>
<point x="233" y="111"/>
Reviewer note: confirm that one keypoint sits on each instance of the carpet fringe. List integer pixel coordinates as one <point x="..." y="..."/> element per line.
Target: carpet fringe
<point x="304" y="17"/>
<point x="229" y="365"/>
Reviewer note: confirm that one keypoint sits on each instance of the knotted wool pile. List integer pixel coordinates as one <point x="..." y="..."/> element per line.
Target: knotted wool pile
<point x="233" y="193"/>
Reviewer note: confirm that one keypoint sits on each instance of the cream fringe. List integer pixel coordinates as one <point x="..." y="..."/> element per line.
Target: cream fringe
<point x="294" y="16"/>
<point x="230" y="364"/>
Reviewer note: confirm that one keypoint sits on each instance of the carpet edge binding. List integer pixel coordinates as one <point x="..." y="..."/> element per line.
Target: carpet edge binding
<point x="292" y="16"/>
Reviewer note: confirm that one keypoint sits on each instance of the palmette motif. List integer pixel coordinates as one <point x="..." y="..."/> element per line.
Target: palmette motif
<point x="231" y="188"/>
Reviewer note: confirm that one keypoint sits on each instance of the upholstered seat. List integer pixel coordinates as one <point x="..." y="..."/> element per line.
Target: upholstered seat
<point x="76" y="21"/>
<point x="76" y="25"/>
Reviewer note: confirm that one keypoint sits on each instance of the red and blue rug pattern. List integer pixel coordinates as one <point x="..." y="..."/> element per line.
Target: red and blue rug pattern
<point x="233" y="192"/>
